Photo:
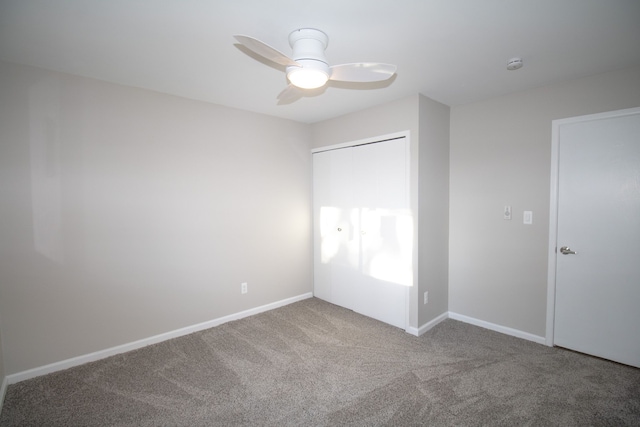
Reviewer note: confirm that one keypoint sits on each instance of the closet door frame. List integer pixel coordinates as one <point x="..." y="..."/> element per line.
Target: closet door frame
<point x="410" y="203"/>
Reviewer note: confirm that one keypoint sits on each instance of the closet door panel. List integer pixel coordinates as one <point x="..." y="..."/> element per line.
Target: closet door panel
<point x="381" y="199"/>
<point x="336" y="249"/>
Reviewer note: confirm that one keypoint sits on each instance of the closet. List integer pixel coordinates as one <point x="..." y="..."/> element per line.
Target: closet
<point x="363" y="228"/>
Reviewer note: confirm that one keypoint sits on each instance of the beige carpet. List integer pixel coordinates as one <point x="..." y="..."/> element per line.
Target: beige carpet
<point x="314" y="364"/>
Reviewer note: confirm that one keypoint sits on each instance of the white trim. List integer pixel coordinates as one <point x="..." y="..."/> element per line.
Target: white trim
<point x="91" y="357"/>
<point x="553" y="206"/>
<point x="371" y="140"/>
<point x="3" y="391"/>
<point x="476" y="322"/>
<point x="424" y="328"/>
<point x="497" y="328"/>
<point x="553" y="233"/>
<point x="598" y="116"/>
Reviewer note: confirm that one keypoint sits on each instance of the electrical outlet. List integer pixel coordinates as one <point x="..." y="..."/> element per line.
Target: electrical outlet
<point x="426" y="297"/>
<point x="243" y="287"/>
<point x="506" y="214"/>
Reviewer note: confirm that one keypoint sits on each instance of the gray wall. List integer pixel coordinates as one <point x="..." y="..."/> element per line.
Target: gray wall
<point x="501" y="155"/>
<point x="128" y="213"/>
<point x="433" y="209"/>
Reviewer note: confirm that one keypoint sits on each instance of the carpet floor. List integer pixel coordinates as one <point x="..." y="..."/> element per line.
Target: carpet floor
<point x="312" y="363"/>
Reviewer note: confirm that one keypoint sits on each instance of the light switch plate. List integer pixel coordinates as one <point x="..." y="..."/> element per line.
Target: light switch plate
<point x="527" y="217"/>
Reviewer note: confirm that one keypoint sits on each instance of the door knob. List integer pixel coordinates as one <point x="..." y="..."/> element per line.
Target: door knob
<point x="565" y="250"/>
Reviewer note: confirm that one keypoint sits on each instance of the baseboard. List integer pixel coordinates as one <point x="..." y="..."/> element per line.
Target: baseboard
<point x="424" y="328"/>
<point x="3" y="391"/>
<point x="92" y="357"/>
<point x="498" y="328"/>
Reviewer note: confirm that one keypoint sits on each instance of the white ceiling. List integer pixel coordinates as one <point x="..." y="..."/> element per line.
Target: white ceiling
<point x="453" y="51"/>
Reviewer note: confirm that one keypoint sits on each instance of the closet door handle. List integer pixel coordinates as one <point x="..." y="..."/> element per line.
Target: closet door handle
<point x="339" y="229"/>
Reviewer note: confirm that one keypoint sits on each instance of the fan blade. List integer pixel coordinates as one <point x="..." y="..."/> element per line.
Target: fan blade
<point x="289" y="94"/>
<point x="265" y="50"/>
<point x="363" y="72"/>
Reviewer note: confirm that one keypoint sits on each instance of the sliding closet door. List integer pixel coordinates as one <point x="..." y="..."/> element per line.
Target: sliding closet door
<point x="363" y="230"/>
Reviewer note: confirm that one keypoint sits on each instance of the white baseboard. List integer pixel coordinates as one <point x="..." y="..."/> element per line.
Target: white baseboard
<point x="91" y="357"/>
<point x="497" y="328"/>
<point x="424" y="328"/>
<point x="3" y="391"/>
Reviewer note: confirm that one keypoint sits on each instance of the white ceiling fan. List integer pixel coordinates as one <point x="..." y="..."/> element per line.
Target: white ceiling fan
<point x="307" y="68"/>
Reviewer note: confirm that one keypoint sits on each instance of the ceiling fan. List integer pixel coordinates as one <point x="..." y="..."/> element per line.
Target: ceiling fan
<point x="307" y="68"/>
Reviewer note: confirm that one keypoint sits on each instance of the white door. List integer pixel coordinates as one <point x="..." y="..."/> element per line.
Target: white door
<point x="363" y="230"/>
<point x="336" y="244"/>
<point x="597" y="292"/>
<point x="381" y="197"/>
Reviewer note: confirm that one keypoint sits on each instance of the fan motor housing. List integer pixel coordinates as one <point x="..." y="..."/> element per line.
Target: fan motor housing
<point x="308" y="43"/>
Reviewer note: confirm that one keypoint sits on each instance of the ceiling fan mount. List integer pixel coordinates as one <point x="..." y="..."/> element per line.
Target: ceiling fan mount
<point x="308" y="68"/>
<point x="308" y="41"/>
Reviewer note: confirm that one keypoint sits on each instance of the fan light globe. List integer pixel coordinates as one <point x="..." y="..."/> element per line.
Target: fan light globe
<point x="307" y="78"/>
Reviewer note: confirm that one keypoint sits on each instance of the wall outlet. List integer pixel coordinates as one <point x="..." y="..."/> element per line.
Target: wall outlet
<point x="426" y="297"/>
<point x="243" y="287"/>
<point x="506" y="213"/>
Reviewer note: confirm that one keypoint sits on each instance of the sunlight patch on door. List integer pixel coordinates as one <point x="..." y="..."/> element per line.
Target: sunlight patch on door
<point x="387" y="245"/>
<point x="329" y="218"/>
<point x="375" y="242"/>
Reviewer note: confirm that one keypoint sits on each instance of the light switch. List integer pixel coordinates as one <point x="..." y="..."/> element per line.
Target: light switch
<point x="527" y="217"/>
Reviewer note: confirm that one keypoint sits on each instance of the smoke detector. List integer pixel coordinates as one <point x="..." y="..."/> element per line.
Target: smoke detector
<point x="514" y="64"/>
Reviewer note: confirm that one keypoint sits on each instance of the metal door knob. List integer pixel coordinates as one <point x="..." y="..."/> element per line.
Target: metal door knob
<point x="565" y="250"/>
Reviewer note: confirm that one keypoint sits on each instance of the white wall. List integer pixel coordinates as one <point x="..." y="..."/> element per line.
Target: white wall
<point x="127" y="213"/>
<point x="501" y="154"/>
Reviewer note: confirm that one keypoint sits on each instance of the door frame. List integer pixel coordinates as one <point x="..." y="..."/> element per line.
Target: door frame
<point x="414" y="263"/>
<point x="553" y="206"/>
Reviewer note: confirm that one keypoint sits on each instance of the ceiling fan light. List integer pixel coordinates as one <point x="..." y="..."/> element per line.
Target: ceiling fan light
<point x="307" y="78"/>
